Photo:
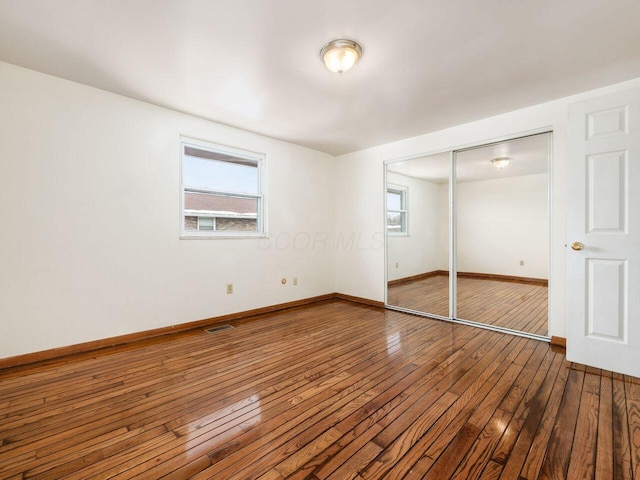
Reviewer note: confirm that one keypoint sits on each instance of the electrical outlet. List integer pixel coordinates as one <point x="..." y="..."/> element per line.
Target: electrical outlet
<point x="229" y="288"/>
<point x="522" y="263"/>
<point x="396" y="264"/>
<point x="295" y="280"/>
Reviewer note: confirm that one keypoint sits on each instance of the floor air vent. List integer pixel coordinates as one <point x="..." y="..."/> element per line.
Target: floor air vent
<point x="218" y="328"/>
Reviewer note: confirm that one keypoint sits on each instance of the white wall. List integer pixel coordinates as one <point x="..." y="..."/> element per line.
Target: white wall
<point x="416" y="252"/>
<point x="359" y="185"/>
<point x="90" y="212"/>
<point x="502" y="221"/>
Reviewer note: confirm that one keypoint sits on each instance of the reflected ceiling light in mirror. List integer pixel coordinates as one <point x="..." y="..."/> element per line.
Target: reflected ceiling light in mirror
<point x="500" y="162"/>
<point x="340" y="55"/>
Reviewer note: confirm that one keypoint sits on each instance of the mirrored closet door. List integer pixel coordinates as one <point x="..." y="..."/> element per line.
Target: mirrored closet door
<point x="418" y="234"/>
<point x="486" y="260"/>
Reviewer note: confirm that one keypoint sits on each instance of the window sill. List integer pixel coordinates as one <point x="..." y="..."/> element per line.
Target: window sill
<point x="227" y="236"/>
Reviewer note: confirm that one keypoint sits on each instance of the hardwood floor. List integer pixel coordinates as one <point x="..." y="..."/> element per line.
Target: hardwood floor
<point x="518" y="306"/>
<point x="334" y="390"/>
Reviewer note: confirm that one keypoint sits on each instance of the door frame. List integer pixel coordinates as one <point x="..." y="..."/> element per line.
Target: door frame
<point x="452" y="230"/>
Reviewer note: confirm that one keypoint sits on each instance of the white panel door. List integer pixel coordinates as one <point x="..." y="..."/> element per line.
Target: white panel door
<point x="603" y="251"/>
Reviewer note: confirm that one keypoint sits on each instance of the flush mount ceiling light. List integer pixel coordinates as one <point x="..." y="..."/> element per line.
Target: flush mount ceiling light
<point x="340" y="55"/>
<point x="500" y="162"/>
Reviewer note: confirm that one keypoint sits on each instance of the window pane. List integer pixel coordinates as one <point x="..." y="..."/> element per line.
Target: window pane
<point x="237" y="224"/>
<point x="237" y="214"/>
<point x="394" y="200"/>
<point x="190" y="223"/>
<point x="221" y="176"/>
<point x="394" y="221"/>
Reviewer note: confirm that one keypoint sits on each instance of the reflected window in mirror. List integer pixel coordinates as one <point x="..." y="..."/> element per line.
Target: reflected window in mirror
<point x="396" y="210"/>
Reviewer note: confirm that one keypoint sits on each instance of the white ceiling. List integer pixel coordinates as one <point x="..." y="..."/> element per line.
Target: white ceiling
<point x="254" y="64"/>
<point x="528" y="156"/>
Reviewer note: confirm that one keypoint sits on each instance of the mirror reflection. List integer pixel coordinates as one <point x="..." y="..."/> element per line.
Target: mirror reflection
<point x="418" y="234"/>
<point x="502" y="234"/>
<point x="501" y="244"/>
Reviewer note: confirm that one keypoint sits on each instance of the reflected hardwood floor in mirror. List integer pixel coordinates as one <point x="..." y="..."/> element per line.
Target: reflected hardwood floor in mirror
<point x="333" y="391"/>
<point x="429" y="295"/>
<point x="519" y="306"/>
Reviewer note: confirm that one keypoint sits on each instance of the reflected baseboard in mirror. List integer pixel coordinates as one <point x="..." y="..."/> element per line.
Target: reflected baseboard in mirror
<point x="517" y="303"/>
<point x="485" y="276"/>
<point x="420" y="276"/>
<point x="504" y="278"/>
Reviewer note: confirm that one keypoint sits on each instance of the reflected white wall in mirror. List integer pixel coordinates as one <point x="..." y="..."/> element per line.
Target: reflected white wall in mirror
<point x="503" y="226"/>
<point x="502" y="214"/>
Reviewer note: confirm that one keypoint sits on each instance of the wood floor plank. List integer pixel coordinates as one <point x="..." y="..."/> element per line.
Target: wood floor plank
<point x="535" y="410"/>
<point x="622" y="442"/>
<point x="348" y="445"/>
<point x="205" y="444"/>
<point x="333" y="390"/>
<point x="265" y="441"/>
<point x="369" y="414"/>
<point x="440" y="432"/>
<point x="447" y="463"/>
<point x="356" y="462"/>
<point x="604" y="448"/>
<point x="556" y="464"/>
<point x="413" y="382"/>
<point x="523" y="379"/>
<point x="478" y="416"/>
<point x="479" y="454"/>
<point x="491" y="471"/>
<point x="583" y="454"/>
<point x="538" y="450"/>
<point x="632" y="389"/>
<point x="66" y="423"/>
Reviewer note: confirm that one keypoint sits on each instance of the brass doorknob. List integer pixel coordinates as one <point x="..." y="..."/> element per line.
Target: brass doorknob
<point x="577" y="246"/>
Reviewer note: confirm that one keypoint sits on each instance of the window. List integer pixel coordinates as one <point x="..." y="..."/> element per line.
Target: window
<point x="221" y="191"/>
<point x="396" y="210"/>
<point x="206" y="223"/>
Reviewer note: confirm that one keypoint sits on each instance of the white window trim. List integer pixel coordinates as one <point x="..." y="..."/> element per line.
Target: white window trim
<point x="259" y="158"/>
<point x="404" y="191"/>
